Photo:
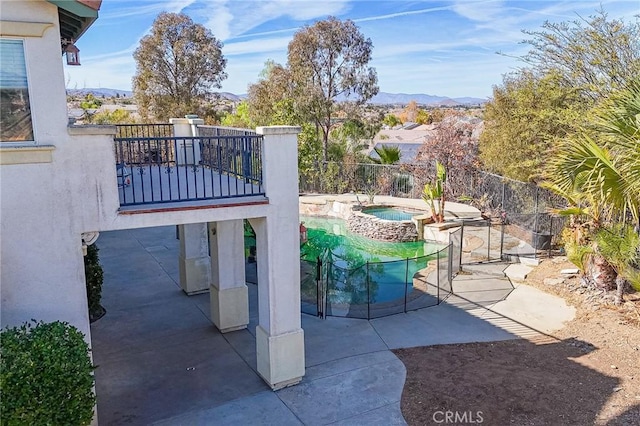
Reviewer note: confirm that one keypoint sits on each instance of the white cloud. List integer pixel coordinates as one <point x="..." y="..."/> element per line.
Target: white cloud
<point x="400" y="14"/>
<point x="239" y="17"/>
<point x="220" y="20"/>
<point x="256" y="46"/>
<point x="482" y="11"/>
<point x="147" y="8"/>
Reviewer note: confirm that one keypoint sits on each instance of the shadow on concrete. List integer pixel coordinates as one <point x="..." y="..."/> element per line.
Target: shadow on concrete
<point x="161" y="360"/>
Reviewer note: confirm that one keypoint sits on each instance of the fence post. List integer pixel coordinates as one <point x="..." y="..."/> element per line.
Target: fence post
<point x="502" y="226"/>
<point x="318" y="284"/>
<point x="461" y="242"/>
<point x="437" y="277"/>
<point x="450" y="264"/>
<point x="535" y="225"/>
<point x="368" y="295"/>
<point x="325" y="291"/>
<point x="406" y="284"/>
<point x="488" y="240"/>
<point x="551" y="235"/>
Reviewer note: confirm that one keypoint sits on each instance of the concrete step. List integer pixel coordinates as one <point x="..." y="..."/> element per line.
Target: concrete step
<point x="494" y="269"/>
<point x="517" y="271"/>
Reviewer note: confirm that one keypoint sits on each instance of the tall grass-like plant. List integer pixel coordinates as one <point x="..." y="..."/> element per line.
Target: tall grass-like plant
<point x="435" y="191"/>
<point x="46" y="376"/>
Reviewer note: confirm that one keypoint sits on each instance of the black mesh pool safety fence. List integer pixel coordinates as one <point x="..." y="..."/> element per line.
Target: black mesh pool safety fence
<point x="523" y="207"/>
<point x="376" y="289"/>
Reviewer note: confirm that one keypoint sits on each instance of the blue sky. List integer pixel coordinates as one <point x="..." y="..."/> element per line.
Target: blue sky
<point x="445" y="48"/>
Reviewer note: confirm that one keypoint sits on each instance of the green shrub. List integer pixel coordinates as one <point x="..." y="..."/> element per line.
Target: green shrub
<point x="94" y="277"/>
<point x="45" y="376"/>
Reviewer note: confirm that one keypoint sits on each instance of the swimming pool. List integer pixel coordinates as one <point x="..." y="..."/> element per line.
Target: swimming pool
<point x="361" y="269"/>
<point x="389" y="213"/>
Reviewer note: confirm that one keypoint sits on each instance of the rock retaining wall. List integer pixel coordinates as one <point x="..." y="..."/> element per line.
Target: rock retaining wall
<point x="378" y="229"/>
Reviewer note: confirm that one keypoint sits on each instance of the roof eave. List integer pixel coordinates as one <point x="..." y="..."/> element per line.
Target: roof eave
<point x="76" y="16"/>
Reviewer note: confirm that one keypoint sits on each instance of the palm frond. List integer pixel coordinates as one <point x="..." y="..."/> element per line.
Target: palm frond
<point x="619" y="244"/>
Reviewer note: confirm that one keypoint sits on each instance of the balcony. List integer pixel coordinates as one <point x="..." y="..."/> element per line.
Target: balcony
<point x="155" y="167"/>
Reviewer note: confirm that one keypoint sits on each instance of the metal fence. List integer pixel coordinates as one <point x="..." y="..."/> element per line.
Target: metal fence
<point x="144" y="130"/>
<point x="224" y="131"/>
<point x="160" y="169"/>
<point x="523" y="208"/>
<point x="376" y="289"/>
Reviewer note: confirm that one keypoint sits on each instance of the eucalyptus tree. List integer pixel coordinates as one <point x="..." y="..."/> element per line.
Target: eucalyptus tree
<point x="596" y="55"/>
<point x="329" y="61"/>
<point x="270" y="99"/>
<point x="177" y="67"/>
<point x="571" y="67"/>
<point x="527" y="116"/>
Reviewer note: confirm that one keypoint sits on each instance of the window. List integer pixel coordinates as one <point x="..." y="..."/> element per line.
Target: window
<point x="15" y="111"/>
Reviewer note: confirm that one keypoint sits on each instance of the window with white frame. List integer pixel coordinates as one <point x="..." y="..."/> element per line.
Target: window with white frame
<point x="15" y="110"/>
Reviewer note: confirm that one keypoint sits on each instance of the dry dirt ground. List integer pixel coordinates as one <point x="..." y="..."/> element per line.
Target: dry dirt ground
<point x="587" y="373"/>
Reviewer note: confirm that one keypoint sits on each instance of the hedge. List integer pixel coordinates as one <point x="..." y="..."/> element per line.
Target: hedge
<point x="46" y="375"/>
<point x="94" y="278"/>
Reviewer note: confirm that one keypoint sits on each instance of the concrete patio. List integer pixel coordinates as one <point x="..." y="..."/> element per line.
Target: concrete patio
<point x="161" y="361"/>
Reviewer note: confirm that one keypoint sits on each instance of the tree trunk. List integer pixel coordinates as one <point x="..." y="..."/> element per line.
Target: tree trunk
<point x="621" y="283"/>
<point x="325" y="145"/>
<point x="601" y="273"/>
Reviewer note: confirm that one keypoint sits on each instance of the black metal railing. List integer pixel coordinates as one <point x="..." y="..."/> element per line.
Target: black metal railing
<point x="224" y="131"/>
<point x="144" y="130"/>
<point x="165" y="169"/>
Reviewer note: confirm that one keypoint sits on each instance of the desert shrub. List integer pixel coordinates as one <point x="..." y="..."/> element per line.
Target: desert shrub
<point x="94" y="277"/>
<point x="577" y="251"/>
<point x="45" y="376"/>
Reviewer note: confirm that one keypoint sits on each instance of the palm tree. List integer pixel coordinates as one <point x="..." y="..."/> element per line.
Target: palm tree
<point x="598" y="172"/>
<point x="386" y="178"/>
<point x="388" y="154"/>
<point x="619" y="244"/>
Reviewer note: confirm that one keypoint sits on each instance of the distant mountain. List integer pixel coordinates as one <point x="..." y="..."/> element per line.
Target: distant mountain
<point x="100" y="92"/>
<point x="383" y="98"/>
<point x="471" y="101"/>
<point x="232" y="97"/>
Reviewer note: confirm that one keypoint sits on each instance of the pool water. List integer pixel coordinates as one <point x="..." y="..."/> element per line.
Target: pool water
<point x="389" y="213"/>
<point x="355" y="250"/>
<point x="359" y="262"/>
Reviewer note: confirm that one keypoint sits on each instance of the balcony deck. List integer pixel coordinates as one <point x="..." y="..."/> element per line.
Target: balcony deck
<point x="200" y="170"/>
<point x="151" y="184"/>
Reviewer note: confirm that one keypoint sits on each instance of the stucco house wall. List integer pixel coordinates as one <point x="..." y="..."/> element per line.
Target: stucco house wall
<point x="41" y="251"/>
<point x="64" y="184"/>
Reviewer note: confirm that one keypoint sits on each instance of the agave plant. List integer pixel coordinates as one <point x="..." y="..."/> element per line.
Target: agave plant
<point x="435" y="191"/>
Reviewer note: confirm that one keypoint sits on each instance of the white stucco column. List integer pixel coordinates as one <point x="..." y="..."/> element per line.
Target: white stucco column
<point x="194" y="261"/>
<point x="228" y="290"/>
<point x="194" y="122"/>
<point x="187" y="152"/>
<point x="279" y="336"/>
